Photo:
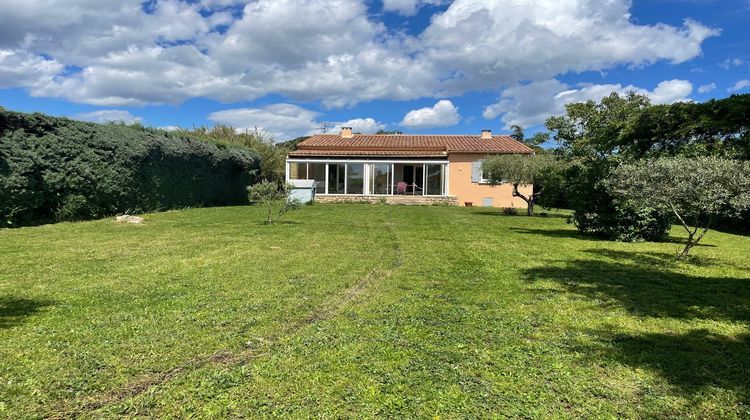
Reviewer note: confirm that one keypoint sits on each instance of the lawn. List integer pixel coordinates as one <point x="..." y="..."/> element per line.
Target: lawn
<point x="368" y="310"/>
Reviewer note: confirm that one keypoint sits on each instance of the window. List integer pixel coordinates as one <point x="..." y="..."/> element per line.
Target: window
<point x="336" y="173"/>
<point x="317" y="172"/>
<point x="380" y="174"/>
<point x="297" y="170"/>
<point x="355" y="178"/>
<point x="435" y="184"/>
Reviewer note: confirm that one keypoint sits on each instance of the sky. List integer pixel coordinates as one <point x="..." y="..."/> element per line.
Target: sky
<point x="296" y="68"/>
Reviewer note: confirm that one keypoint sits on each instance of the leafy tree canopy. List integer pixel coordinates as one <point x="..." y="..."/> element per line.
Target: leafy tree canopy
<point x="520" y="170"/>
<point x="274" y="196"/>
<point x="695" y="190"/>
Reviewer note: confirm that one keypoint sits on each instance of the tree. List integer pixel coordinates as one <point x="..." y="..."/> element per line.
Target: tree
<point x="273" y="195"/>
<point x="516" y="132"/>
<point x="519" y="170"/>
<point x="590" y="129"/>
<point x="696" y="190"/>
<point x="272" y="155"/>
<point x="719" y="127"/>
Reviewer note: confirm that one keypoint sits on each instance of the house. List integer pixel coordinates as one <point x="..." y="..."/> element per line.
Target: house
<point x="404" y="168"/>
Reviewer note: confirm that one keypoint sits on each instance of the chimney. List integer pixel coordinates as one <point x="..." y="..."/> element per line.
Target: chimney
<point x="346" y="133"/>
<point x="486" y="134"/>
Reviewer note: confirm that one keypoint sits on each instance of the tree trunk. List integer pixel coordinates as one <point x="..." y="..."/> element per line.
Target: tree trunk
<point x="688" y="246"/>
<point x="529" y="200"/>
<point x="691" y="240"/>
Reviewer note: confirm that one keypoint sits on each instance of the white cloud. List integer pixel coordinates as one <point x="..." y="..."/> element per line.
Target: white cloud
<point x="285" y="121"/>
<point x="442" y="114"/>
<point x="707" y="88"/>
<point x="668" y="91"/>
<point x="477" y="44"/>
<point x="281" y="120"/>
<point x="408" y="7"/>
<point x="116" y="53"/>
<point x="741" y="84"/>
<point x="108" y="115"/>
<point x="360" y="125"/>
<point x="21" y="69"/>
<point x="531" y="104"/>
<point x="731" y="62"/>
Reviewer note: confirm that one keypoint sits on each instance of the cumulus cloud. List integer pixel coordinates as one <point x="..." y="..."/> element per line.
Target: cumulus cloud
<point x="285" y="121"/>
<point x="360" y="125"/>
<point x="108" y="115"/>
<point x="408" y="7"/>
<point x="740" y="85"/>
<point x="113" y="53"/>
<point x="442" y="114"/>
<point x="707" y="88"/>
<point x="21" y="69"/>
<point x="531" y="104"/>
<point x="281" y="120"/>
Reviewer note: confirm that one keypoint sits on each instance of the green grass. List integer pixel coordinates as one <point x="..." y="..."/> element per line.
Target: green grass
<point x="368" y="310"/>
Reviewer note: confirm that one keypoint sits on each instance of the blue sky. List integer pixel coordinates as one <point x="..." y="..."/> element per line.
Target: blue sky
<point x="419" y="66"/>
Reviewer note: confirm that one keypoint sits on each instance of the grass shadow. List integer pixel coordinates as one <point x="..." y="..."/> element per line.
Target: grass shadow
<point x="13" y="311"/>
<point x="654" y="258"/>
<point x="279" y="222"/>
<point x="690" y="361"/>
<point x="522" y="213"/>
<point x="558" y="233"/>
<point x="643" y="284"/>
<point x="651" y="289"/>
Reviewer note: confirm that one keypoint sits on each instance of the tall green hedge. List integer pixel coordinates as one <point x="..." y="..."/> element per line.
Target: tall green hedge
<point x="59" y="169"/>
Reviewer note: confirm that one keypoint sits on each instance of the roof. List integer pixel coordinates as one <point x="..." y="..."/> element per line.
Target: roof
<point x="406" y="145"/>
<point x="405" y="153"/>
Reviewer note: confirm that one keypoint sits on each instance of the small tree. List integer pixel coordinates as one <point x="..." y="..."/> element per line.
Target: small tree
<point x="695" y="190"/>
<point x="273" y="195"/>
<point x="519" y="170"/>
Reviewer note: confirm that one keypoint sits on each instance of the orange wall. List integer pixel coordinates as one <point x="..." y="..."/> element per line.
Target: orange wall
<point x="460" y="185"/>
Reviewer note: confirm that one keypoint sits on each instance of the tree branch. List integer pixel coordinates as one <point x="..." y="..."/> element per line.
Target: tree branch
<point x="685" y="225"/>
<point x="518" y="194"/>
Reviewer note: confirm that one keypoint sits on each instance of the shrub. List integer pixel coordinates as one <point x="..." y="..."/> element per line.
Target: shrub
<point x="697" y="190"/>
<point x="274" y="196"/>
<point x="596" y="211"/>
<point x="59" y="169"/>
<point x="510" y="211"/>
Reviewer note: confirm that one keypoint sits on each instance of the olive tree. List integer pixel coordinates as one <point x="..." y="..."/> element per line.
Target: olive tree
<point x="520" y="170"/>
<point x="274" y="196"/>
<point x="695" y="190"/>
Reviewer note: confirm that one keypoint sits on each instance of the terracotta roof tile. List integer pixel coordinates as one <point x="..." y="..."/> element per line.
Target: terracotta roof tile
<point x="391" y="153"/>
<point x="396" y="144"/>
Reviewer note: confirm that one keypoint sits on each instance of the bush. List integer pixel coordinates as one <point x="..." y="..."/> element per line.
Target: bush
<point x="59" y="169"/>
<point x="510" y="211"/>
<point x="275" y="196"/>
<point x="596" y="211"/>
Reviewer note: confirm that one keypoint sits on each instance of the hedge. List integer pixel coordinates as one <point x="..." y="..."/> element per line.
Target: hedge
<point x="54" y="169"/>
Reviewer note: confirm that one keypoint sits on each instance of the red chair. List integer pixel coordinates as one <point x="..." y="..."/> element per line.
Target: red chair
<point x="401" y="188"/>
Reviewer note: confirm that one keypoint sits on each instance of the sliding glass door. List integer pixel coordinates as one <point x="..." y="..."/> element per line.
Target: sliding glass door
<point x="434" y="180"/>
<point x="355" y="178"/>
<point x="380" y="178"/>
<point x="336" y="178"/>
